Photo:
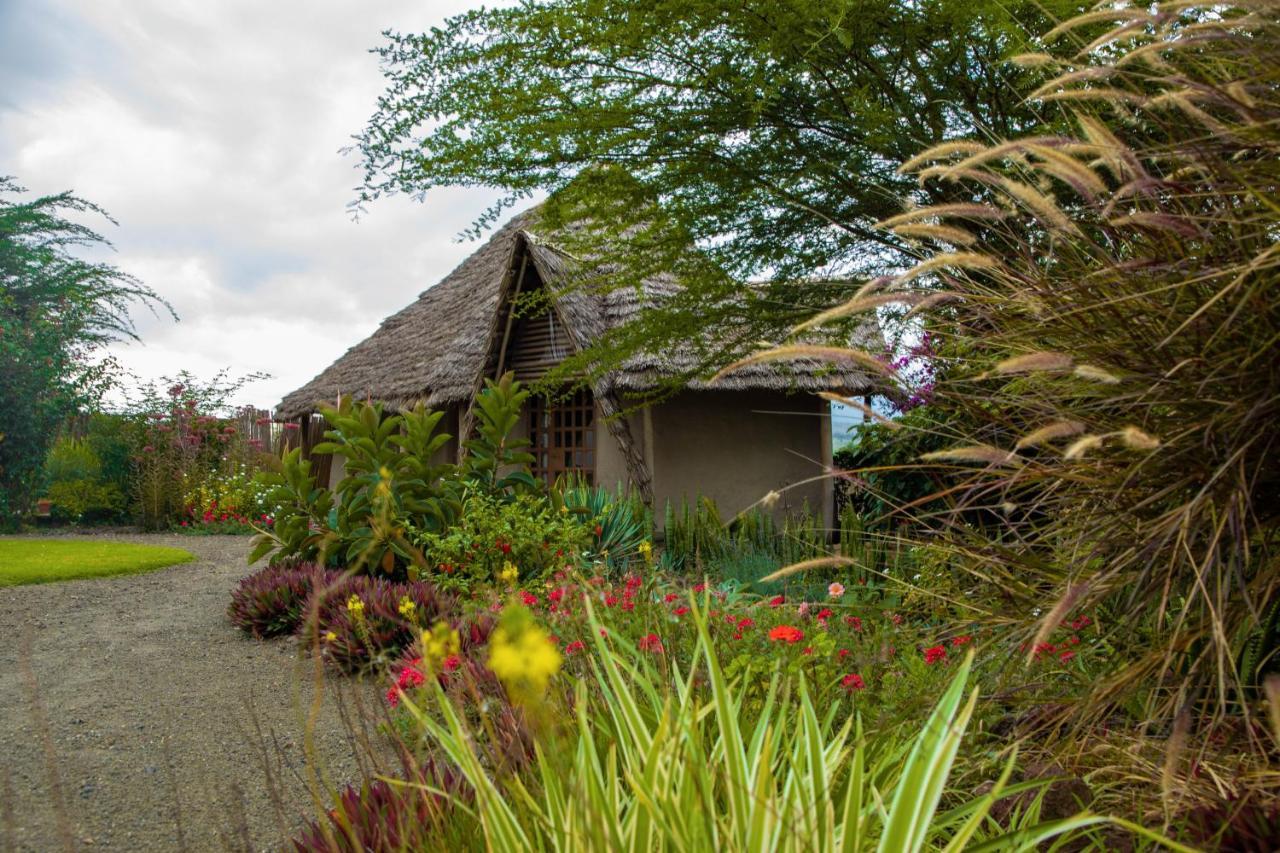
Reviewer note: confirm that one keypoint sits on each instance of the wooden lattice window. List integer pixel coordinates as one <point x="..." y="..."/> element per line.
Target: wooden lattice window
<point x="564" y="437"/>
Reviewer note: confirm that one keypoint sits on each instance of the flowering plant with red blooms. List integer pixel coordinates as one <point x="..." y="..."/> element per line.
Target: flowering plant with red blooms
<point x="651" y="643"/>
<point x="853" y="681"/>
<point x="933" y="654"/>
<point x="786" y="634"/>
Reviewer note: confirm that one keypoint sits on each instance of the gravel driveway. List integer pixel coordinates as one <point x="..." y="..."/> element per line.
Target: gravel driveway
<point x="154" y="703"/>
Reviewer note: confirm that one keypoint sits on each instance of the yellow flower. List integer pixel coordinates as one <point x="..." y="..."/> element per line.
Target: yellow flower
<point x="355" y="606"/>
<point x="522" y="656"/>
<point x="439" y="643"/>
<point x="646" y="551"/>
<point x="330" y="636"/>
<point x="407" y="607"/>
<point x="509" y="574"/>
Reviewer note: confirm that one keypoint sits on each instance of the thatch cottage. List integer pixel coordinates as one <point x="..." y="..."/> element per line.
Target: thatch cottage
<point x="759" y="429"/>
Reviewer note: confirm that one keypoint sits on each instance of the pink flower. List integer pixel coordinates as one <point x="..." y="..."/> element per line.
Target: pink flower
<point x="451" y="663"/>
<point x="836" y="589"/>
<point x="803" y="608"/>
<point x="1066" y="655"/>
<point x="575" y="646"/>
<point x="852" y="682"/>
<point x="853" y="622"/>
<point x="933" y="654"/>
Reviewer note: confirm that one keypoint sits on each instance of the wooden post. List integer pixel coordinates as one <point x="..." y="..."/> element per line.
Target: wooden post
<point x="611" y="409"/>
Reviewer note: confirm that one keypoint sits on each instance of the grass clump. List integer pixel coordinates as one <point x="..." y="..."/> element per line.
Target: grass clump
<point x="26" y="561"/>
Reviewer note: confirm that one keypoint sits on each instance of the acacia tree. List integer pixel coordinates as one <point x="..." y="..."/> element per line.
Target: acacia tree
<point x="767" y="133"/>
<point x="56" y="313"/>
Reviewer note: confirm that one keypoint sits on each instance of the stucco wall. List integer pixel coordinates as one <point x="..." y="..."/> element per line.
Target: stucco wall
<point x="736" y="446"/>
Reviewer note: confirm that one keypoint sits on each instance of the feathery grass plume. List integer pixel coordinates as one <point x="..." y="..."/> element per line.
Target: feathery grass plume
<point x="949" y="260"/>
<point x="1033" y="60"/>
<point x="933" y="231"/>
<point x="971" y="453"/>
<point x="1137" y="439"/>
<point x="1095" y="374"/>
<point x="1036" y="362"/>
<point x="858" y="305"/>
<point x="930" y="302"/>
<point x="1096" y="16"/>
<point x="940" y="152"/>
<point x="1050" y="432"/>
<point x="1069" y="170"/>
<point x="806" y="566"/>
<point x="959" y="210"/>
<point x="1081" y="446"/>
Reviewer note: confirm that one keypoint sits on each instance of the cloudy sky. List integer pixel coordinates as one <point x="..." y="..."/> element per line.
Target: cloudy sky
<point x="211" y="132"/>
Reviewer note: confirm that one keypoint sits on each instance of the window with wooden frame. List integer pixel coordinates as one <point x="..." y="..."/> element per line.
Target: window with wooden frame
<point x="564" y="437"/>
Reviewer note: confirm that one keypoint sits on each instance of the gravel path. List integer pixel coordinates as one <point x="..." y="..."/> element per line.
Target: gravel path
<point x="151" y="698"/>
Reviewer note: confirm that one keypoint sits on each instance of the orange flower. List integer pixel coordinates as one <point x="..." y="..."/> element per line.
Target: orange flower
<point x="786" y="634"/>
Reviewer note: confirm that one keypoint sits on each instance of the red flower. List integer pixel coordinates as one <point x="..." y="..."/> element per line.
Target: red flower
<point x="852" y="682"/>
<point x="670" y="597"/>
<point x="853" y="622"/>
<point x="777" y="601"/>
<point x="528" y="598"/>
<point x="897" y="618"/>
<point x="1081" y="622"/>
<point x="786" y="634"/>
<point x="610" y="600"/>
<point x="504" y="547"/>
<point x="700" y="587"/>
<point x="933" y="654"/>
<point x="651" y="643"/>
<point x="599" y="530"/>
<point x="824" y="614"/>
<point x="451" y="663"/>
<point x="393" y="696"/>
<point x="680" y="611"/>
<point x="843" y="653"/>
<point x="737" y="635"/>
<point x="962" y="640"/>
<point x="556" y="594"/>
<point x="575" y="646"/>
<point x="746" y="622"/>
<point x="808" y="650"/>
<point x="628" y="605"/>
<point x="1066" y="655"/>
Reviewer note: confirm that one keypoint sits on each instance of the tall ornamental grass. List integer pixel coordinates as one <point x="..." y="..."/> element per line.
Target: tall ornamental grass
<point x="1109" y="281"/>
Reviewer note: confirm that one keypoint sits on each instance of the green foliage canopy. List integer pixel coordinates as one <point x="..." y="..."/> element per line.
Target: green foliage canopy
<point x="56" y="311"/>
<point x="766" y="133"/>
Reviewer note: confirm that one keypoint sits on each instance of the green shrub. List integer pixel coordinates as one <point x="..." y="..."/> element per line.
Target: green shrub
<point x="620" y="524"/>
<point x="490" y="534"/>
<point x="73" y="472"/>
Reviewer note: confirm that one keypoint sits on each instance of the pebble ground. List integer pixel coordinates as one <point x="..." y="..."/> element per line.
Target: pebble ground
<point x="164" y="727"/>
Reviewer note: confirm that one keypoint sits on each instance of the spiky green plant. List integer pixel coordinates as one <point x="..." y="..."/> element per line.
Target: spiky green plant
<point x="647" y="766"/>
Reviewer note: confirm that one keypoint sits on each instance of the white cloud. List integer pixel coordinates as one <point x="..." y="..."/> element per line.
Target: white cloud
<point x="211" y="132"/>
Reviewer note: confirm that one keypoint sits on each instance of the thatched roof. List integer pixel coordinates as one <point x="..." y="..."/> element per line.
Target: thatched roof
<point x="436" y="349"/>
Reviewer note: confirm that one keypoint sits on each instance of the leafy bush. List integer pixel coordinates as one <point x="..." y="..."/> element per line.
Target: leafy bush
<point x="190" y="450"/>
<point x="393" y="491"/>
<point x="273" y="601"/>
<point x="75" y="481"/>
<point x="524" y="533"/>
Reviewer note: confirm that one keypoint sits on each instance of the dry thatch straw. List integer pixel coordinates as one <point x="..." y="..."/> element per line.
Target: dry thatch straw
<point x="435" y="350"/>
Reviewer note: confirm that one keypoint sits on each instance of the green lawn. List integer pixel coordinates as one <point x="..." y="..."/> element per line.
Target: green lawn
<point x="44" y="560"/>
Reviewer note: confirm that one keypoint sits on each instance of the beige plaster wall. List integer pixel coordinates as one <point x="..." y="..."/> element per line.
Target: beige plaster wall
<point x="736" y="446"/>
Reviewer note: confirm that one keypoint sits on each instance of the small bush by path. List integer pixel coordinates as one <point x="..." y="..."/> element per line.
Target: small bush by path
<point x="24" y="561"/>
